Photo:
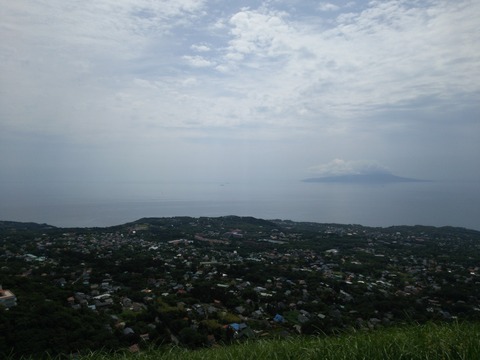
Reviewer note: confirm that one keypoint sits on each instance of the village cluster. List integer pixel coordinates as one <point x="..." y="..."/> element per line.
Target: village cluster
<point x="205" y="281"/>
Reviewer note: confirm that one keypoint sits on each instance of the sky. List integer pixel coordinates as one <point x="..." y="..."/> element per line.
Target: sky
<point x="214" y="90"/>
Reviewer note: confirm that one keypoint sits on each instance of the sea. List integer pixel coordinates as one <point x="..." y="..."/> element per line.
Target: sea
<point x="99" y="204"/>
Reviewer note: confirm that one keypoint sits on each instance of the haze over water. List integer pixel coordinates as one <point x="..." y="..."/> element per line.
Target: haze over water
<point x="429" y="203"/>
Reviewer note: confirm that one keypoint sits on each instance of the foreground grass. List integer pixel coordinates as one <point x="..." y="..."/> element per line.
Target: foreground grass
<point x="452" y="341"/>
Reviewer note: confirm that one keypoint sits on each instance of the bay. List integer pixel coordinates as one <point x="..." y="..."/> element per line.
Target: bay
<point x="71" y="204"/>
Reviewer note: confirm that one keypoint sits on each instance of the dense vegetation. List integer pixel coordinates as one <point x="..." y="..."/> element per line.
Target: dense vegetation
<point x="210" y="282"/>
<point x="430" y="341"/>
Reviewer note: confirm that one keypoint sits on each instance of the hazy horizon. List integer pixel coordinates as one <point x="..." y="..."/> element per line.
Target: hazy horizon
<point x="405" y="203"/>
<point x="108" y="92"/>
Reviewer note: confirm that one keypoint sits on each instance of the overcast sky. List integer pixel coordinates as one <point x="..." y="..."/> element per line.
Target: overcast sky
<point x="161" y="90"/>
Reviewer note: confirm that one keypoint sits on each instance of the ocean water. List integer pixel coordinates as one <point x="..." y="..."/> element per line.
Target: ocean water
<point x="104" y="204"/>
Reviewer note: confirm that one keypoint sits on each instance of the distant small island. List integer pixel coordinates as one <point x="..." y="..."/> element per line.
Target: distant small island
<point x="363" y="179"/>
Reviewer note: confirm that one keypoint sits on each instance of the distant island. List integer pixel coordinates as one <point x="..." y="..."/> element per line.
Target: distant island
<point x="363" y="179"/>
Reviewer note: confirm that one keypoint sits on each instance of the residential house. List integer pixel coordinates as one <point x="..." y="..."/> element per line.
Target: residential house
<point x="7" y="298"/>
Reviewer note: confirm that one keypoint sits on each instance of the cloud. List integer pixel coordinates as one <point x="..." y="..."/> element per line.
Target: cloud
<point x="258" y="32"/>
<point x="325" y="6"/>
<point x="342" y="167"/>
<point x="200" y="47"/>
<point x="370" y="76"/>
<point x="198" y="61"/>
<point x="284" y="69"/>
<point x="389" y="54"/>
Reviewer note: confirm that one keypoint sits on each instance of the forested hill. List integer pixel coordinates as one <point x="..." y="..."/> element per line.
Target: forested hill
<point x="22" y="226"/>
<point x="235" y="221"/>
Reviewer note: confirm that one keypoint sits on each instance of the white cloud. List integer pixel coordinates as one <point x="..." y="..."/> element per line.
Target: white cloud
<point x="390" y="54"/>
<point x="259" y="32"/>
<point x="92" y="71"/>
<point x="64" y="60"/>
<point x="342" y="167"/>
<point x="200" y="48"/>
<point x="325" y="6"/>
<point x="300" y="71"/>
<point x="198" y="61"/>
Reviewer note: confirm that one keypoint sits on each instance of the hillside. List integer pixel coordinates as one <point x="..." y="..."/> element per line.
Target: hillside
<point x="453" y="341"/>
<point x="204" y="282"/>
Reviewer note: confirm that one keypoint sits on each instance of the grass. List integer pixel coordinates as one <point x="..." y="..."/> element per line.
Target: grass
<point x="431" y="341"/>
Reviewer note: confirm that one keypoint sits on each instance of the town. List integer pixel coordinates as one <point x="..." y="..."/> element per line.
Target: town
<point x="198" y="282"/>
